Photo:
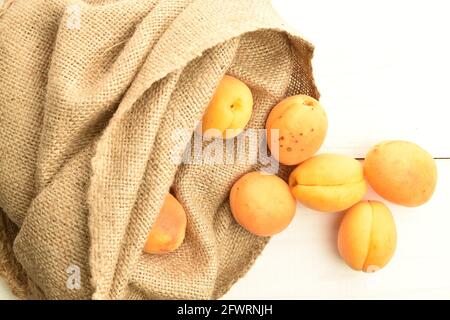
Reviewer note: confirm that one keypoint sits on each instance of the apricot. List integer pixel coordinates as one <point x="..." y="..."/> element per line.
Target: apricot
<point x="367" y="236"/>
<point x="167" y="233"/>
<point x="302" y="126"/>
<point x="328" y="182"/>
<point x="401" y="172"/>
<point x="262" y="203"/>
<point x="229" y="111"/>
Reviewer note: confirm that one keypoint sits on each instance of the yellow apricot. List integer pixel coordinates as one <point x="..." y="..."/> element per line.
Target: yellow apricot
<point x="262" y="203"/>
<point x="302" y="125"/>
<point x="229" y="111"/>
<point x="367" y="236"/>
<point x="167" y="233"/>
<point x="328" y="182"/>
<point x="401" y="172"/>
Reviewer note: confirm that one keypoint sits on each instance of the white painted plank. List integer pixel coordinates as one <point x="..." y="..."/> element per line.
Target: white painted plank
<point x="303" y="262"/>
<point x="382" y="68"/>
<point x="5" y="292"/>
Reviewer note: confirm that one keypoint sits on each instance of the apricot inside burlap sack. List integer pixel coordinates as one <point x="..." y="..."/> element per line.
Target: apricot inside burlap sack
<point x="90" y="94"/>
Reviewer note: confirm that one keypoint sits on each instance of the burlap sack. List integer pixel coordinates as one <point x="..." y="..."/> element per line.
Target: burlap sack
<point x="90" y="94"/>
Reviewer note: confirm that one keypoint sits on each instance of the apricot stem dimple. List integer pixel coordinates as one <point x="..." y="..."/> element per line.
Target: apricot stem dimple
<point x="373" y="269"/>
<point x="309" y="103"/>
<point x="236" y="104"/>
<point x="294" y="183"/>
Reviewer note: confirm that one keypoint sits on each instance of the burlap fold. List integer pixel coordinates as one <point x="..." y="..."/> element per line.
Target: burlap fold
<point x="90" y="95"/>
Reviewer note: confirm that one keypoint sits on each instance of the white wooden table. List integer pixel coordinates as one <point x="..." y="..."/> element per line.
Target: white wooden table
<point x="383" y="70"/>
<point x="384" y="73"/>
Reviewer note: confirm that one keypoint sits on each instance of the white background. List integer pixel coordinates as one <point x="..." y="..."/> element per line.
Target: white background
<point x="383" y="69"/>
